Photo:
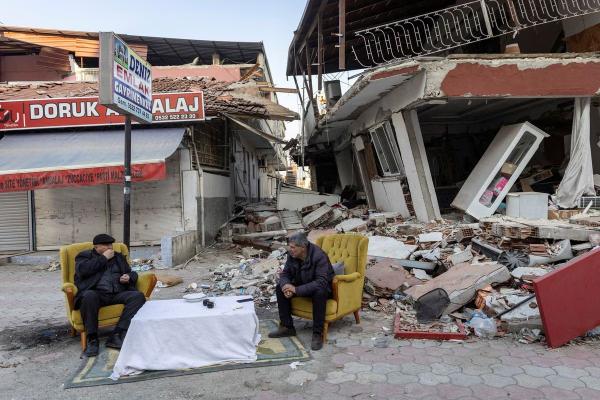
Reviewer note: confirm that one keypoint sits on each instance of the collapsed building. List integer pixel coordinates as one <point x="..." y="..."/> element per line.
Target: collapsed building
<point x="414" y="126"/>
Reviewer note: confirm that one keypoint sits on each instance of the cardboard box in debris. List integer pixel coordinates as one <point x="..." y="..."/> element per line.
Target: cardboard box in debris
<point x="438" y="277"/>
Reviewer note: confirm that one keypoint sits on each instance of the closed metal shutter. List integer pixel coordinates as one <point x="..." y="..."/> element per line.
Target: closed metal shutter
<point x="69" y="215"/>
<point x="155" y="207"/>
<point x="15" y="223"/>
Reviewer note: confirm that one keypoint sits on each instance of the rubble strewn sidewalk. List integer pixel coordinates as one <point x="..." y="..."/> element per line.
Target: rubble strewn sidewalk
<point x="475" y="278"/>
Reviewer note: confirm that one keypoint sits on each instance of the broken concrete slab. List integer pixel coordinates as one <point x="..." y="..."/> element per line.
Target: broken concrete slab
<point x="318" y="217"/>
<point x="296" y="198"/>
<point x="421" y="265"/>
<point x="352" y="225"/>
<point x="431" y="237"/>
<point x="384" y="278"/>
<point x="422" y="275"/>
<point x="462" y="282"/>
<point x="461" y="256"/>
<point x="528" y="271"/>
<point x="387" y="247"/>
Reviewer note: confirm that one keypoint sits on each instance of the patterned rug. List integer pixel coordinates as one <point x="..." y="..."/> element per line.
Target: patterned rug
<point x="96" y="371"/>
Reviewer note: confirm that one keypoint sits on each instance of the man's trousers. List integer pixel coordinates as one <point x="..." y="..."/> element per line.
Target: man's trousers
<point x="92" y="300"/>
<point x="319" y="302"/>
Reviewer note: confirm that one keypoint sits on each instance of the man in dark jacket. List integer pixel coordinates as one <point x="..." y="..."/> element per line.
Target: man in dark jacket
<point x="307" y="273"/>
<point x="103" y="278"/>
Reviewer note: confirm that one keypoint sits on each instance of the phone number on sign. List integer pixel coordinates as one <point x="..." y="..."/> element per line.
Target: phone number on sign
<point x="175" y="117"/>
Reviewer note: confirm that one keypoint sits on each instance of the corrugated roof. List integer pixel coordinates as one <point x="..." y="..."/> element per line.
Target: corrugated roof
<point x="170" y="51"/>
<point x="14" y="47"/>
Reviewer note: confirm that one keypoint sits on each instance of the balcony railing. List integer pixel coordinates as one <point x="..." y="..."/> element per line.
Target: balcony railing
<point x="461" y="25"/>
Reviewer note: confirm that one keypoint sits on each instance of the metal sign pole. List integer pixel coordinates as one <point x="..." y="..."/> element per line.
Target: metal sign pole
<point x="127" y="183"/>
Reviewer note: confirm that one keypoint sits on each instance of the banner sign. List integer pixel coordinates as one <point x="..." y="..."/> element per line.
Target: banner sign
<point x="87" y="111"/>
<point x="80" y="177"/>
<point x="125" y="79"/>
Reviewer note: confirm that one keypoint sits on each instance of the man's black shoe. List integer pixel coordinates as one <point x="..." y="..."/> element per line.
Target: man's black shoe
<point x="114" y="341"/>
<point x="92" y="348"/>
<point x="283" y="331"/>
<point x="317" y="342"/>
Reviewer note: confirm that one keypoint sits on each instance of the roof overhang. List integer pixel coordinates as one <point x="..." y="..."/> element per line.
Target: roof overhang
<point x="473" y="76"/>
<point x="168" y="51"/>
<point x="14" y="47"/>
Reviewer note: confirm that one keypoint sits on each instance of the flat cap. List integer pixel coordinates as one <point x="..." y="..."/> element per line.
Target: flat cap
<point x="103" y="238"/>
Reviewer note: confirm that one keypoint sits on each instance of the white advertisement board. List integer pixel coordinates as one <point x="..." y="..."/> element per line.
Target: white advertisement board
<point x="125" y="79"/>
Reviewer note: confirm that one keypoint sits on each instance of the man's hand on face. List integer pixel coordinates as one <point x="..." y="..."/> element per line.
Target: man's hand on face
<point x="124" y="279"/>
<point x="110" y="253"/>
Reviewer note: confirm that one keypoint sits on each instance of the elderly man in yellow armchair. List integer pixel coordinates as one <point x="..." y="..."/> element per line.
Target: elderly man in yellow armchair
<point x="104" y="277"/>
<point x="307" y="273"/>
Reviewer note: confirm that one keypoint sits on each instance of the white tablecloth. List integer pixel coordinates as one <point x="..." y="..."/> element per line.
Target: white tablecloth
<point x="176" y="334"/>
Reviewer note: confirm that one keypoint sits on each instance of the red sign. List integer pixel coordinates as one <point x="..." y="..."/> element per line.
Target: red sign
<point x="86" y="111"/>
<point x="80" y="177"/>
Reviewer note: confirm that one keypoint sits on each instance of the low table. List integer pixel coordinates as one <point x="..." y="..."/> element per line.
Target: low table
<point x="177" y="334"/>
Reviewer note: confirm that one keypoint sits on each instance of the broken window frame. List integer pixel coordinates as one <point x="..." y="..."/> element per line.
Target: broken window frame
<point x="390" y="160"/>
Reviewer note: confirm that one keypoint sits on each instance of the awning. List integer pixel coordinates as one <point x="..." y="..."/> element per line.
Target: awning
<point x="50" y="160"/>
<point x="267" y="136"/>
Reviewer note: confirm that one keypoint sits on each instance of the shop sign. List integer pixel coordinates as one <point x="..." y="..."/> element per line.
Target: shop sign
<point x="87" y="111"/>
<point x="125" y="79"/>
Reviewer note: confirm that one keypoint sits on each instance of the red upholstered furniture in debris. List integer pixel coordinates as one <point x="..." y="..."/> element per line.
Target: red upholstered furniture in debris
<point x="569" y="299"/>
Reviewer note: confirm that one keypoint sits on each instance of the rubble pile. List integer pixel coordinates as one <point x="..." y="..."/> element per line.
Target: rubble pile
<point x="447" y="278"/>
<point x="255" y="276"/>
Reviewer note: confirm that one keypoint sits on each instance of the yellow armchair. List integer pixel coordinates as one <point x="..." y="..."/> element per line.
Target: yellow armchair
<point x="347" y="288"/>
<point x="107" y="316"/>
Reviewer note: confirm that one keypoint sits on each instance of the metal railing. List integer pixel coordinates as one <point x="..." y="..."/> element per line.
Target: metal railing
<point x="460" y="25"/>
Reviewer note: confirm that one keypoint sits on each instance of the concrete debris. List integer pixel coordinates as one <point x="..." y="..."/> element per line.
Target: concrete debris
<point x="384" y="278"/>
<point x="251" y="276"/>
<point x="459" y="257"/>
<point x="431" y="237"/>
<point x="387" y="247"/>
<point x="462" y="282"/>
<point x="146" y="264"/>
<point x="488" y="265"/>
<point x="420" y="274"/>
<point x="318" y="217"/>
<point x="420" y="265"/>
<point x="251" y="252"/>
<point x="352" y="225"/>
<point x="525" y="272"/>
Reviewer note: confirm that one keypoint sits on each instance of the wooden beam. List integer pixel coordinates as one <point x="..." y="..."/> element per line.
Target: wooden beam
<point x="308" y="69"/>
<point x="312" y="27"/>
<point x="320" y="51"/>
<point x="342" y="33"/>
<point x="277" y="89"/>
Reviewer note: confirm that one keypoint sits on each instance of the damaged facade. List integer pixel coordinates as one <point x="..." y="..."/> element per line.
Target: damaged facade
<point x="233" y="151"/>
<point x="482" y="130"/>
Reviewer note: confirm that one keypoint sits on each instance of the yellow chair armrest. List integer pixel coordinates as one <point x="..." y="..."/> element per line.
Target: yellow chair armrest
<point x="348" y="291"/>
<point x="145" y="283"/>
<point x="347" y="278"/>
<point x="68" y="286"/>
<point x="70" y="291"/>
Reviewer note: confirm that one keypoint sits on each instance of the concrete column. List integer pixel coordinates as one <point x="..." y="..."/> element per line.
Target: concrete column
<point x="362" y="169"/>
<point x="414" y="158"/>
<point x="344" y="164"/>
